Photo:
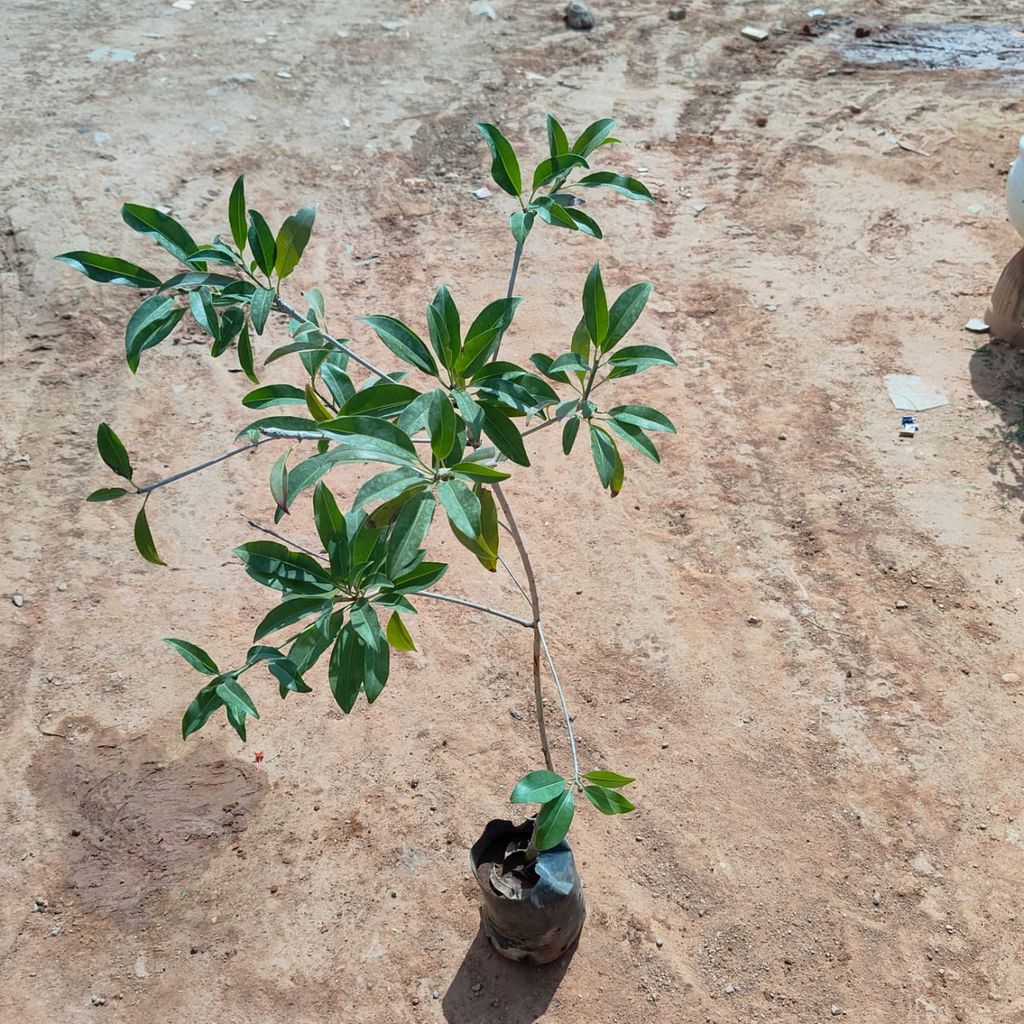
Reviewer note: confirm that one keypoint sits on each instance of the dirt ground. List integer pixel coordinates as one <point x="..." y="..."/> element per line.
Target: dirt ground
<point x="831" y="823"/>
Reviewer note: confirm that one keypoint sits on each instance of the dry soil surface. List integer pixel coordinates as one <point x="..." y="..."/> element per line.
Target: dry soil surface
<point x="795" y="631"/>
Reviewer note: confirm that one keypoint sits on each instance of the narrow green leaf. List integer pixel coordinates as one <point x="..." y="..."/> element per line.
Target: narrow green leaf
<point x="642" y="416"/>
<point x="595" y="306"/>
<point x="376" y="667"/>
<point x="584" y="223"/>
<point x="403" y="341"/>
<point x="347" y="668"/>
<point x="153" y="321"/>
<point x="338" y="383"/>
<point x="201" y="303"/>
<point x="569" y="361"/>
<point x="113" y="452"/>
<point x="537" y="788"/>
<point x="445" y="326"/>
<point x="236" y="212"/>
<point x="268" y="395"/>
<point x="610" y="780"/>
<point x="398" y="634"/>
<point x="554" y="820"/>
<point x="195" y="279"/>
<point x="291" y="572"/>
<point x="461" y="505"/>
<point x="364" y="620"/>
<point x="607" y="801"/>
<point x="292" y="239"/>
<point x="520" y="224"/>
<point x="569" y="432"/>
<point x="330" y="523"/>
<point x="262" y="303"/>
<point x="504" y="165"/>
<point x="552" y="212"/>
<point x="625" y="312"/>
<point x="235" y="696"/>
<point x="603" y="449"/>
<point x="593" y="136"/>
<point x="636" y="358"/>
<point x="109" y="269"/>
<point x="198" y="713"/>
<point x="279" y="481"/>
<point x="484" y="335"/>
<point x="261" y="242"/>
<point x="504" y="433"/>
<point x="442" y="424"/>
<point x="288" y="612"/>
<point x="557" y="141"/>
<point x="478" y="472"/>
<point x="423" y="577"/>
<point x="163" y="229"/>
<point x="620" y="183"/>
<point x="634" y="436"/>
<point x="144" y="538"/>
<point x="555" y="167"/>
<point x="107" y="494"/>
<point x="408" y="532"/>
<point x="246" y="358"/>
<point x="380" y="400"/>
<point x="195" y="656"/>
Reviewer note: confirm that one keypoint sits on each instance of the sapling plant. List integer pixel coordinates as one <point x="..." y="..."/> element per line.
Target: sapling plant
<point x="443" y="431"/>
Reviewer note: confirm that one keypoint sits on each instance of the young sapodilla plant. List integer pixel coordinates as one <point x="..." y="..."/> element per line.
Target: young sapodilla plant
<point x="445" y="430"/>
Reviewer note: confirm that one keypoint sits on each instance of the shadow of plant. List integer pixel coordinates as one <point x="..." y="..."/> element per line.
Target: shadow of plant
<point x="997" y="376"/>
<point x="488" y="989"/>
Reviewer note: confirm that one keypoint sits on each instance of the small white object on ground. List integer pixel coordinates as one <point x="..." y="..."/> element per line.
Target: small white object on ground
<point x="241" y="79"/>
<point x="699" y="207"/>
<point x="483" y="193"/>
<point x="818" y="12"/>
<point x="759" y="35"/>
<point x="912" y="393"/>
<point x="184" y="5"/>
<point x="975" y="208"/>
<point x="393" y="26"/>
<point x="485" y="10"/>
<point x="112" y="54"/>
<point x="17" y="600"/>
<point x="283" y="73"/>
<point x="976" y="325"/>
<point x="1011" y="678"/>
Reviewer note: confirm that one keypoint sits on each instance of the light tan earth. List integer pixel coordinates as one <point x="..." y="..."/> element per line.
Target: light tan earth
<point x="831" y="821"/>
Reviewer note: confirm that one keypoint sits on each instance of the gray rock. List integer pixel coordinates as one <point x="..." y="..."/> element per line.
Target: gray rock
<point x="17" y="600"/>
<point x="241" y="79"/>
<point x="676" y="13"/>
<point x="484" y="10"/>
<point x="579" y="16"/>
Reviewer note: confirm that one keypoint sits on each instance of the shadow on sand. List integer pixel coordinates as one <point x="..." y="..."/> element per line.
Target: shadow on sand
<point x="488" y="989"/>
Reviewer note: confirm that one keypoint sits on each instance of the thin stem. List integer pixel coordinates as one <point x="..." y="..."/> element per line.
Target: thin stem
<point x="198" y="469"/>
<point x="422" y="593"/>
<point x="565" y="706"/>
<point x="524" y="555"/>
<point x="283" y="307"/>
<point x="512" y="575"/>
<point x="507" y="316"/>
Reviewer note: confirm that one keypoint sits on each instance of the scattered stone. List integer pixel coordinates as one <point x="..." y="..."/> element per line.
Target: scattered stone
<point x="193" y="950"/>
<point x="975" y="208"/>
<point x="393" y="26"/>
<point x="140" y="967"/>
<point x="17" y="600"/>
<point x="1011" y="678"/>
<point x="976" y="325"/>
<point x="112" y="54"/>
<point x="283" y="73"/>
<point x="517" y="714"/>
<point x="730" y="989"/>
<point x="660" y="942"/>
<point x="922" y="866"/>
<point x="476" y="988"/>
<point x="901" y="604"/>
<point x="862" y="31"/>
<point x="241" y="79"/>
<point x="484" y="10"/>
<point x="753" y="620"/>
<point x="55" y="930"/>
<point x="62" y="587"/>
<point x="483" y="193"/>
<point x="699" y="207"/>
<point x="759" y="35"/>
<point x="97" y="1000"/>
<point x="783" y="437"/>
<point x="664" y="746"/>
<point x="676" y="13"/>
<point x="835" y="1010"/>
<point x="876" y="898"/>
<point x="184" y="5"/>
<point x="579" y="16"/>
<point x="435" y="994"/>
<point x="39" y="905"/>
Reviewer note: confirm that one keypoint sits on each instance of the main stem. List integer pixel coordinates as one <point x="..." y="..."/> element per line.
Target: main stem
<point x="531" y="583"/>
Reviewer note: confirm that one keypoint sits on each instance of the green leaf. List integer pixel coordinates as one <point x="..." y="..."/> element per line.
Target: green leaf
<point x="620" y="183"/>
<point x="315" y="298"/>
<point x="201" y="303"/>
<point x="442" y="424"/>
<point x="252" y="430"/>
<point x="338" y="383"/>
<point x="216" y="253"/>
<point x="636" y="437"/>
<point x="584" y="223"/>
<point x="113" y="452"/>
<point x="593" y="136"/>
<point x="269" y="395"/>
<point x="262" y="303"/>
<point x="198" y="713"/>
<point x="557" y="142"/>
<point x="155" y="318"/>
<point x="380" y="400"/>
<point x="195" y="656"/>
<point x="636" y="358"/>
<point x="288" y="612"/>
<point x="484" y="335"/>
<point x="537" y="788"/>
<point x="404" y="342"/>
<point x="478" y="472"/>
<point x="569" y="432"/>
<point x="376" y="666"/>
<point x="423" y="577"/>
<point x="595" y="306"/>
<point x="625" y="312"/>
<point x="553" y="821"/>
<point x="236" y="212"/>
<point x="292" y="572"/>
<point x="504" y="165"/>
<point x="471" y="413"/>
<point x="236" y="698"/>
<point x="408" y="532"/>
<point x="330" y="523"/>
<point x="568" y="361"/>
<point x="555" y="167"/>
<point x="365" y="622"/>
<point x="261" y="242"/>
<point x="292" y="239"/>
<point x="606" y="455"/>
<point x="385" y="486"/>
<point x="107" y="494"/>
<point x="504" y="433"/>
<point x="543" y="363"/>
<point x="144" y="539"/>
<point x="642" y="416"/>
<point x="610" y="780"/>
<point x="445" y="327"/>
<point x="109" y="269"/>
<point x="164" y="230"/>
<point x="552" y="212"/>
<point x="398" y="634"/>
<point x="194" y="279"/>
<point x="607" y="801"/>
<point x="313" y="641"/>
<point x="461" y="505"/>
<point x="521" y="223"/>
<point x="246" y="359"/>
<point x="346" y="670"/>
<point x="279" y="481"/>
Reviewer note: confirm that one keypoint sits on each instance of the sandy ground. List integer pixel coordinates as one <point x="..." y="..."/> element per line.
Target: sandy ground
<point x="831" y="822"/>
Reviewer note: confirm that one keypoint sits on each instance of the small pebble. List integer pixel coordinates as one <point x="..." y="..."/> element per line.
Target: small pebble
<point x="835" y="1010"/>
<point x="659" y="943"/>
<point x="579" y="16"/>
<point x="484" y="10"/>
<point x="483" y="193"/>
<point x="515" y="713"/>
<point x="753" y="620"/>
<point x="436" y="994"/>
<point x="1011" y="677"/>
<point x="730" y="989"/>
<point x="476" y="988"/>
<point x="676" y="13"/>
<point x="902" y="604"/>
<point x="283" y="73"/>
<point x="62" y="587"/>
<point x="759" y="35"/>
<point x="976" y="325"/>
<point x="17" y="600"/>
<point x="876" y="897"/>
<point x="97" y="1000"/>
